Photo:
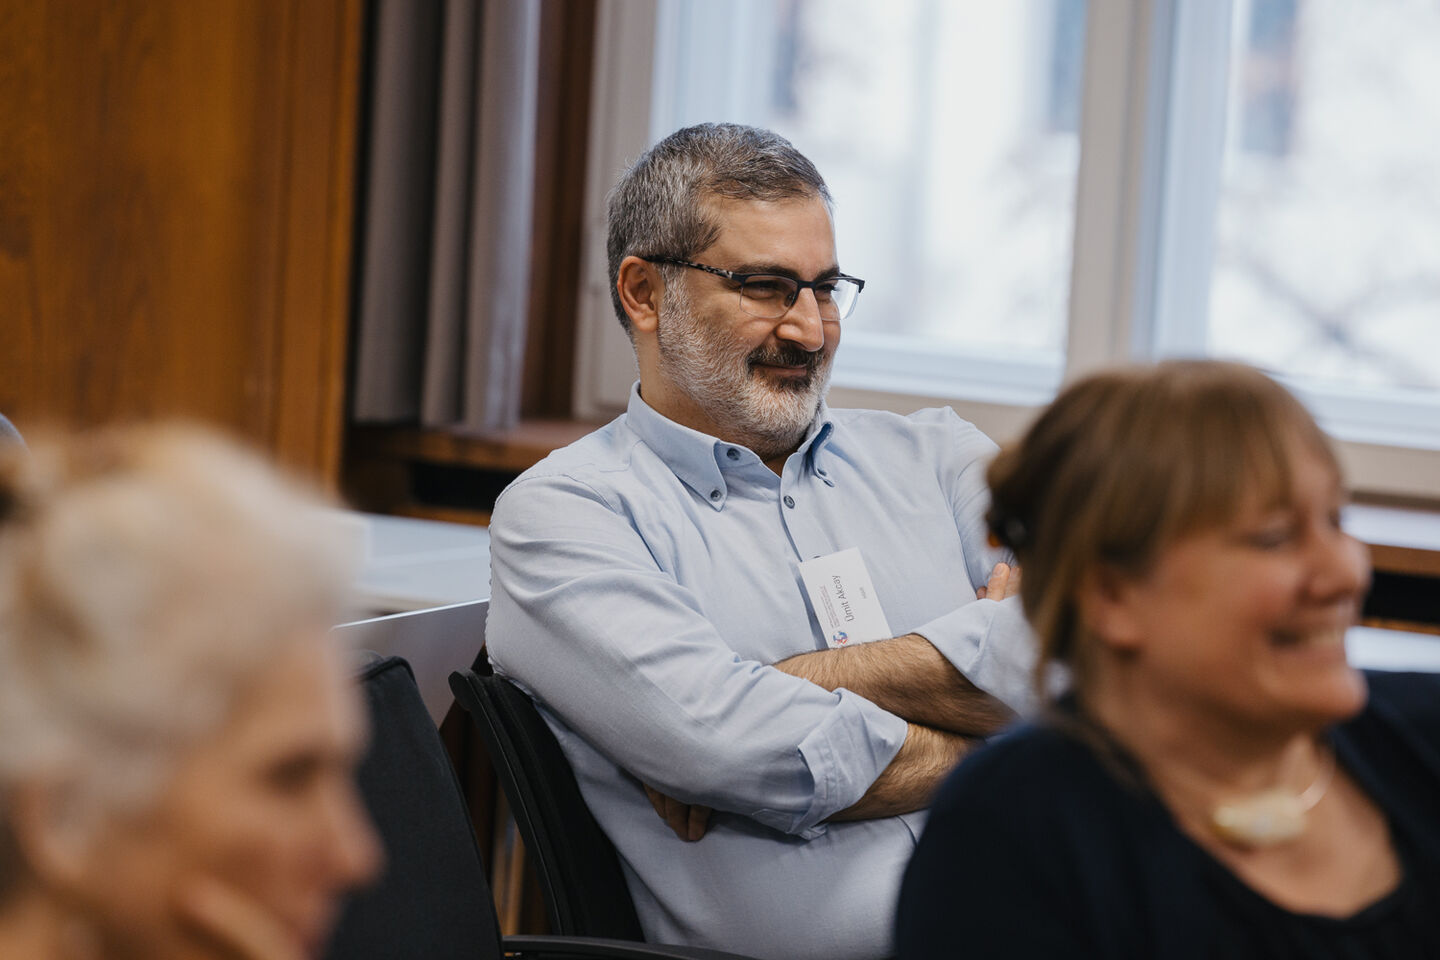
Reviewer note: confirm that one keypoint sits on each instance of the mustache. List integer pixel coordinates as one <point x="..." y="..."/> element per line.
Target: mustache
<point x="785" y="355"/>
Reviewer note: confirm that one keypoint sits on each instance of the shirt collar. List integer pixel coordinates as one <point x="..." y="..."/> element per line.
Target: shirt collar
<point x="696" y="457"/>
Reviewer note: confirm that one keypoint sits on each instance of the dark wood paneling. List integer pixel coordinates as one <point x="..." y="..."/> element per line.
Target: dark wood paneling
<point x="175" y="185"/>
<point x="439" y="475"/>
<point x="515" y="450"/>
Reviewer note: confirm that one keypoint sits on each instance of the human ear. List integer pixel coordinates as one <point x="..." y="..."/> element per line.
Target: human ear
<point x="52" y="833"/>
<point x="1108" y="608"/>
<point x="639" y="286"/>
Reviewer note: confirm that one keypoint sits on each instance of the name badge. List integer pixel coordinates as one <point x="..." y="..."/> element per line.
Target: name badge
<point x="844" y="599"/>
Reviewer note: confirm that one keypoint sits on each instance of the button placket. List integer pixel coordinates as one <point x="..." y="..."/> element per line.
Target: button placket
<point x="797" y="514"/>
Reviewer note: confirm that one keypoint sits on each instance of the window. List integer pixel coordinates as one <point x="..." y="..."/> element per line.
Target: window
<point x="1035" y="188"/>
<point x="1327" y="255"/>
<point x="914" y="110"/>
<point x="1304" y="239"/>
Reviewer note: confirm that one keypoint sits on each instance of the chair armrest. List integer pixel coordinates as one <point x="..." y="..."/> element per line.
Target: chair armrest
<point x="538" y="948"/>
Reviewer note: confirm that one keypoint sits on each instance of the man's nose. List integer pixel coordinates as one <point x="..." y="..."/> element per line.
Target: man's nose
<point x="802" y="323"/>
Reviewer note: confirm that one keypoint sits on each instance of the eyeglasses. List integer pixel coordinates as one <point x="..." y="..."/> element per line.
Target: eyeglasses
<point x="770" y="297"/>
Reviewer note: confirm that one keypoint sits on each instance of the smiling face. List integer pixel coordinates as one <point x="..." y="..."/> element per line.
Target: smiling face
<point x="267" y="808"/>
<point x="718" y="369"/>
<point x="1242" y="624"/>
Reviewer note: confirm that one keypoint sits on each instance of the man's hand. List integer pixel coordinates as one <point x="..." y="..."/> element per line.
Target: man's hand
<point x="1004" y="582"/>
<point x="235" y="924"/>
<point x="688" y="820"/>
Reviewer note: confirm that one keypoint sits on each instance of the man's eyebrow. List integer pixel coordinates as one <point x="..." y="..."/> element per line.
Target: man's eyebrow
<point x="780" y="270"/>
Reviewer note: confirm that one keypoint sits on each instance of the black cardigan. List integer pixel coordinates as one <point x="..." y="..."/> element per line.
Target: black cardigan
<point x="1034" y="849"/>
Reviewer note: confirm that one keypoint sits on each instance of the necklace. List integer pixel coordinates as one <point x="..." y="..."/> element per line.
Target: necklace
<point x="1271" y="816"/>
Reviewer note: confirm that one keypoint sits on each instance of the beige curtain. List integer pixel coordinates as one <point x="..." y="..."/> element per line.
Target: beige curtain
<point x="443" y="290"/>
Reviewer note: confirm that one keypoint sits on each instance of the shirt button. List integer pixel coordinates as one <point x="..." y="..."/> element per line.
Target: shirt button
<point x="733" y="454"/>
<point x="714" y="494"/>
<point x="789" y="501"/>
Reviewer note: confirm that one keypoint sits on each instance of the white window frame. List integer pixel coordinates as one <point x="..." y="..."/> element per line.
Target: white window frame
<point x="1144" y="217"/>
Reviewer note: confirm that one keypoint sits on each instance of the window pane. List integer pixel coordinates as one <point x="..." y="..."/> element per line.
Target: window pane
<point x="948" y="135"/>
<point x="1327" y="259"/>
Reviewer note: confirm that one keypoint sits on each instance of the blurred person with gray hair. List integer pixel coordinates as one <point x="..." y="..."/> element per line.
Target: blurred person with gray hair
<point x="178" y="731"/>
<point x="772" y="623"/>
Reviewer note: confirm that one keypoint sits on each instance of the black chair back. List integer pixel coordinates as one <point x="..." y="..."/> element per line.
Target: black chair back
<point x="579" y="871"/>
<point x="433" y="899"/>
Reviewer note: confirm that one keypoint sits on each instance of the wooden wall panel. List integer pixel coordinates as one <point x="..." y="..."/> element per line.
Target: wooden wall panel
<point x="318" y="232"/>
<point x="175" y="210"/>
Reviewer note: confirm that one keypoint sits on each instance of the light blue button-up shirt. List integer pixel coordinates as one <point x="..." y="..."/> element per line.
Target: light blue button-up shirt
<point x="643" y="580"/>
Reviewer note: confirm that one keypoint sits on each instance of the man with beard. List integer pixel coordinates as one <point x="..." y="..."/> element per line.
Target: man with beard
<point x="647" y="587"/>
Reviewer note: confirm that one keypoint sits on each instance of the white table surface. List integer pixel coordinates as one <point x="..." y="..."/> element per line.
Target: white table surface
<point x="415" y="564"/>
<point x="422" y="594"/>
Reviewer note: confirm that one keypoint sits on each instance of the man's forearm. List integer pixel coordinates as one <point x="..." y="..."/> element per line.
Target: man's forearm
<point x="908" y="677"/>
<point x="911" y="779"/>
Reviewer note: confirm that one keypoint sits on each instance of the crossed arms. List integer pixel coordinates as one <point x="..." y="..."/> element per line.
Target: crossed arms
<point x="908" y="677"/>
<point x="657" y="632"/>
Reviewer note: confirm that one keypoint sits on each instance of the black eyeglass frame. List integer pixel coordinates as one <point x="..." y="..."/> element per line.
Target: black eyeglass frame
<point x="742" y="278"/>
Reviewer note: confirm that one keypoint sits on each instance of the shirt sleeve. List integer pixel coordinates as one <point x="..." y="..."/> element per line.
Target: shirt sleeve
<point x="583" y="617"/>
<point x="989" y="641"/>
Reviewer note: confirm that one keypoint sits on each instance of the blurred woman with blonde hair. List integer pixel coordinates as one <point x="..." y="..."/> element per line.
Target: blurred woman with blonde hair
<point x="1218" y="781"/>
<point x="177" y="730"/>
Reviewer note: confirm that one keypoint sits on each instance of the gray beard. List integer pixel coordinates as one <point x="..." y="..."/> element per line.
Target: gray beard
<point x="718" y="376"/>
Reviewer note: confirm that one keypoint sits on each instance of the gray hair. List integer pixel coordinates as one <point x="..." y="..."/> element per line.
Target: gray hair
<point x="658" y="207"/>
<point x="148" y="575"/>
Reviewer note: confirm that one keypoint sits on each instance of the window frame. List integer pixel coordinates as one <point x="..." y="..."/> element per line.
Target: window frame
<point x="1143" y="233"/>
